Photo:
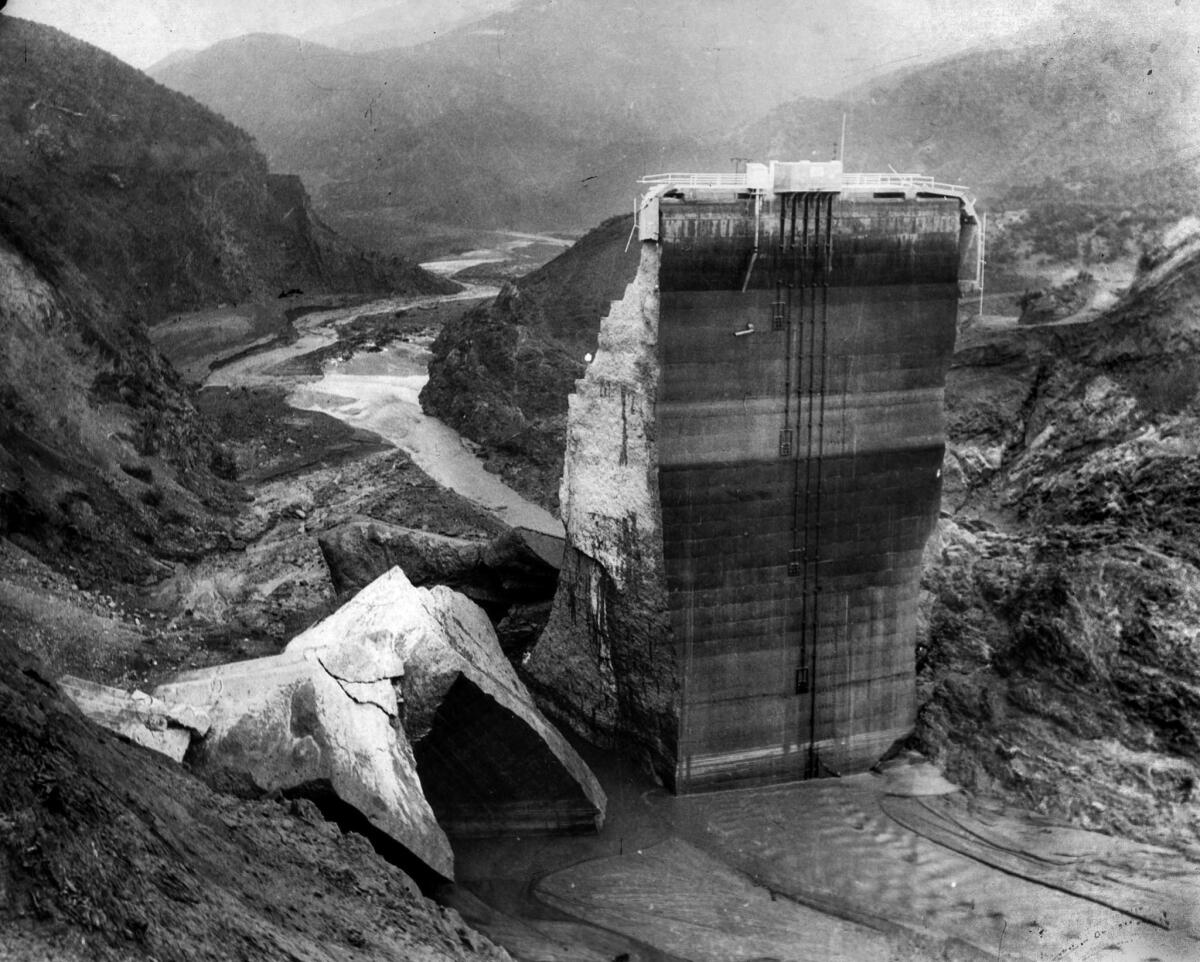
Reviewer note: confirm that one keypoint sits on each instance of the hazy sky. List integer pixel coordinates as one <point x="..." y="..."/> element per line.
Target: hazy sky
<point x="144" y="31"/>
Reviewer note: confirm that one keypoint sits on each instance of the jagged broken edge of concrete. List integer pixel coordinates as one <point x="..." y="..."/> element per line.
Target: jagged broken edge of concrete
<point x="605" y="664"/>
<point x="140" y="717"/>
<point x="337" y="708"/>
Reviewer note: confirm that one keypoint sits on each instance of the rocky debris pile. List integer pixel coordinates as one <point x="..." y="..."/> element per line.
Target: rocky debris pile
<point x="512" y="577"/>
<point x="1061" y="667"/>
<point x="1057" y="303"/>
<point x="399" y="714"/>
<point x="108" y="852"/>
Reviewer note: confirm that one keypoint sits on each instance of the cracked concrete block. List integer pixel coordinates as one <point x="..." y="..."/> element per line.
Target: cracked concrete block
<point x="151" y="722"/>
<point x="397" y="666"/>
<point x="489" y="761"/>
<point x="318" y="720"/>
<point x="520" y="775"/>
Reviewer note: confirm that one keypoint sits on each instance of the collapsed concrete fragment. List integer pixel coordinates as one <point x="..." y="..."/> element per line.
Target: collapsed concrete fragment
<point x="398" y="665"/>
<point x="289" y="722"/>
<point x="143" y="719"/>
<point x="489" y="761"/>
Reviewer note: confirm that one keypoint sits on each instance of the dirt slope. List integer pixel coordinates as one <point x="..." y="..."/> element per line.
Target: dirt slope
<point x="108" y="851"/>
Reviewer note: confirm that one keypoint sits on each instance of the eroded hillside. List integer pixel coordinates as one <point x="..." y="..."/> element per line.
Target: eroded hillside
<point x="122" y="201"/>
<point x="1061" y="665"/>
<point x="501" y="374"/>
<point x="110" y="851"/>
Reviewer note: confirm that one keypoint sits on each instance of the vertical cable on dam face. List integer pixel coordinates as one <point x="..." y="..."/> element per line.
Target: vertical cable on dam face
<point x="803" y="342"/>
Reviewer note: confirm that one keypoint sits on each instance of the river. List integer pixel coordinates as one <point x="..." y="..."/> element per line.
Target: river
<point x="379" y="391"/>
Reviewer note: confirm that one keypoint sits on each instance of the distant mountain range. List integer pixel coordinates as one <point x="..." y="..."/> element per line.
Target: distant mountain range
<point x="403" y="25"/>
<point x="1100" y="102"/>
<point x="545" y="115"/>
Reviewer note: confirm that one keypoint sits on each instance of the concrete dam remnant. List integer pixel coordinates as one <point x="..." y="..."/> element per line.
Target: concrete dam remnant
<point x="753" y="465"/>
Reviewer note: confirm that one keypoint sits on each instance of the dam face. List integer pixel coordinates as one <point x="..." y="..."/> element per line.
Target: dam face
<point x="753" y="467"/>
<point x="800" y="444"/>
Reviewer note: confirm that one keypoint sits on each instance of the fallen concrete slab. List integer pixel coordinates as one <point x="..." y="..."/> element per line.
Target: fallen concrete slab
<point x="289" y="722"/>
<point x="143" y="719"/>
<point x="489" y="761"/>
<point x="520" y="775"/>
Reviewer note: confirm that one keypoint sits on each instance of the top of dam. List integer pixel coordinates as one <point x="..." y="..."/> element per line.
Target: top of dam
<point x="806" y="176"/>
<point x="778" y="178"/>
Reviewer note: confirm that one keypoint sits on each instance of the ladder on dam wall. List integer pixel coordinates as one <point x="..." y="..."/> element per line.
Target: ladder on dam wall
<point x="801" y="266"/>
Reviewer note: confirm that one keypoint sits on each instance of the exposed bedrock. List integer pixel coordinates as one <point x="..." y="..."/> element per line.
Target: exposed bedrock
<point x="402" y="705"/>
<point x="605" y="664"/>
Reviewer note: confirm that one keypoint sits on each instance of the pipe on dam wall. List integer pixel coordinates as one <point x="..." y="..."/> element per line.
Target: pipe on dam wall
<point x="752" y="471"/>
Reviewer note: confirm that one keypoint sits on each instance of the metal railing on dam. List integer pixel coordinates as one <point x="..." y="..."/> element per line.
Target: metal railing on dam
<point x="845" y="180"/>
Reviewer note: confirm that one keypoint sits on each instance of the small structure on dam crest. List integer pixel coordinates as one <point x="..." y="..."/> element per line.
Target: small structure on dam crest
<point x="753" y="466"/>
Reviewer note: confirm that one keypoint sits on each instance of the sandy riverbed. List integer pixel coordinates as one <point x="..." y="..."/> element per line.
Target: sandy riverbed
<point x="860" y="868"/>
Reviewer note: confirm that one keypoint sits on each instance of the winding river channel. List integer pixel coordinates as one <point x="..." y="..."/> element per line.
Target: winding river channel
<point x="378" y="391"/>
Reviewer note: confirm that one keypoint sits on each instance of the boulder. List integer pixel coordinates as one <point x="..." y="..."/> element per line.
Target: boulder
<point x="515" y="567"/>
<point x="142" y="718"/>
<point x="513" y="576"/>
<point x="489" y="762"/>
<point x="321" y="723"/>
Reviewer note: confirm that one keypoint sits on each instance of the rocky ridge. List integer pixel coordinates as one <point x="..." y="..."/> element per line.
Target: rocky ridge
<point x="500" y="374"/>
<point x="123" y="201"/>
<point x="1061" y="666"/>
